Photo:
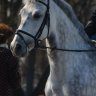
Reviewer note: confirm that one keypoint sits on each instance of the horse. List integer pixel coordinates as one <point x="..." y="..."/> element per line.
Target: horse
<point x="71" y="54"/>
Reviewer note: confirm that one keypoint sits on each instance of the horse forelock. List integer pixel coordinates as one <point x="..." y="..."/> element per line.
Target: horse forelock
<point x="28" y="1"/>
<point x="73" y="18"/>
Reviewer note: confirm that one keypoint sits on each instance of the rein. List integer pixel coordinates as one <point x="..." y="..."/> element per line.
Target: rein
<point x="65" y="50"/>
<point x="46" y="21"/>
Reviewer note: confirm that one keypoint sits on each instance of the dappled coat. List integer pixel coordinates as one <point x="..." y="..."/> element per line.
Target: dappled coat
<point x="9" y="77"/>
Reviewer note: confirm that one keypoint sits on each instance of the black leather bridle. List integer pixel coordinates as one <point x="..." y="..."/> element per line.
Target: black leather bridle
<point x="46" y="21"/>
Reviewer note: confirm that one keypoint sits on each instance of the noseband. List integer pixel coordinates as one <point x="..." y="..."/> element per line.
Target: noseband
<point x="46" y="21"/>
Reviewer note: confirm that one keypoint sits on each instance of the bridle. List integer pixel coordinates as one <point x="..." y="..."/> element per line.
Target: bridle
<point x="46" y="21"/>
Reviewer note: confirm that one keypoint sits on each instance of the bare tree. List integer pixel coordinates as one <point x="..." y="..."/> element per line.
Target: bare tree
<point x="3" y="10"/>
<point x="9" y="10"/>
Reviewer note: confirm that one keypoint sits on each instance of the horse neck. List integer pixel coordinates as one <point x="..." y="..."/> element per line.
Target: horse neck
<point x="65" y="32"/>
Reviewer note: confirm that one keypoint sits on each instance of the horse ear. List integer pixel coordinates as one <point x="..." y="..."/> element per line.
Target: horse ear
<point x="26" y="1"/>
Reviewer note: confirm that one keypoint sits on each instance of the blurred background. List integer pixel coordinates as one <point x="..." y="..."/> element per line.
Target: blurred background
<point x="34" y="68"/>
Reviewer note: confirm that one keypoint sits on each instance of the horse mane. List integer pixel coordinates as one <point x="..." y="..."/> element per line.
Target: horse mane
<point x="68" y="10"/>
<point x="71" y="15"/>
<point x="27" y="1"/>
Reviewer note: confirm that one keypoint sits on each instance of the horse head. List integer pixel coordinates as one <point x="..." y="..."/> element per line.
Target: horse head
<point x="33" y="22"/>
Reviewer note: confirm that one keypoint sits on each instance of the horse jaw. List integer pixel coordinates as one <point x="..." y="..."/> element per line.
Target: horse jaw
<point x="29" y="25"/>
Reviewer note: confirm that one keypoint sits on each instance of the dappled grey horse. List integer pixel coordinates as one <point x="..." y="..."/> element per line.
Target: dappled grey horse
<point x="72" y="60"/>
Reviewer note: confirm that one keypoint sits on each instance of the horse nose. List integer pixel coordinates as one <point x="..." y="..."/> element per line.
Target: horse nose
<point x="18" y="46"/>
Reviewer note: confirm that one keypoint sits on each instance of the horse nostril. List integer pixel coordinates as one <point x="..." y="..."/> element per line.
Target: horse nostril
<point x="18" y="46"/>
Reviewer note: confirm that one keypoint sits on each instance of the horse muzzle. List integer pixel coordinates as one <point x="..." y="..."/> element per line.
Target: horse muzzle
<point x="18" y="49"/>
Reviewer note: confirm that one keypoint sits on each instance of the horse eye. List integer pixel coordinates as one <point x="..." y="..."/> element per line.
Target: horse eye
<point x="36" y="15"/>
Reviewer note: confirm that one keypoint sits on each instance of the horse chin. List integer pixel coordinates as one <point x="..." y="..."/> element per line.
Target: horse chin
<point x="21" y="54"/>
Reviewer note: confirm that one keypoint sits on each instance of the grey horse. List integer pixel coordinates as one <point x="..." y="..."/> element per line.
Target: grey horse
<point x="72" y="73"/>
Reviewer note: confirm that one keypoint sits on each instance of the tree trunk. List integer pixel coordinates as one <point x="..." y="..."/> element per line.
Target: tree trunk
<point x="3" y="10"/>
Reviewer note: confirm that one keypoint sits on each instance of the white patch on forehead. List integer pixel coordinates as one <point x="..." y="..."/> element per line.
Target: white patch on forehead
<point x="25" y="1"/>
